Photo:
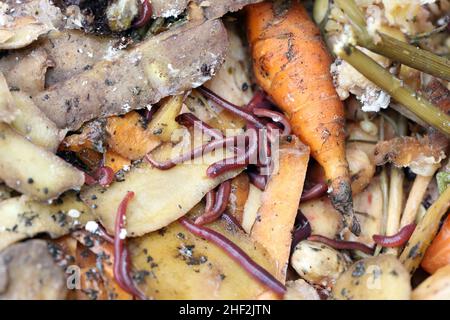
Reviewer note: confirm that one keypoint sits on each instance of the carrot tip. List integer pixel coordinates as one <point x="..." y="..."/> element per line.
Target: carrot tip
<point x="341" y="198"/>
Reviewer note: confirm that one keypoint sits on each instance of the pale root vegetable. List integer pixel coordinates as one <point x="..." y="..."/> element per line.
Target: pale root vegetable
<point x="138" y="77"/>
<point x="279" y="203"/>
<point x="28" y="272"/>
<point x="318" y="263"/>
<point x="361" y="168"/>
<point x="425" y="232"/>
<point x="361" y="140"/>
<point x="300" y="290"/>
<point x="32" y="170"/>
<point x="415" y="199"/>
<point x="115" y="161"/>
<point x="324" y="219"/>
<point x="22" y="218"/>
<point x="240" y="188"/>
<point x="377" y="278"/>
<point x="356" y="133"/>
<point x="128" y="136"/>
<point x="435" y="287"/>
<point x="28" y="75"/>
<point x="64" y="47"/>
<point x="395" y="205"/>
<point x="251" y="208"/>
<point x="21" y="32"/>
<point x="232" y="82"/>
<point x="161" y="197"/>
<point x="34" y="125"/>
<point x="294" y="69"/>
<point x="5" y="192"/>
<point x="369" y="207"/>
<point x="438" y="253"/>
<point x="7" y="109"/>
<point x="188" y="267"/>
<point x="163" y="123"/>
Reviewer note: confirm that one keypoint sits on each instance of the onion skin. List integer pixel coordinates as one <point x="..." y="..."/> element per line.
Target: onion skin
<point x="396" y="240"/>
<point x="237" y="254"/>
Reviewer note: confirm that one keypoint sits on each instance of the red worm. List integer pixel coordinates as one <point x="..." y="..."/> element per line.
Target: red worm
<point x="194" y="153"/>
<point x="276" y="117"/>
<point x="272" y="131"/>
<point x="302" y="230"/>
<point x="101" y="232"/>
<point x="259" y="100"/>
<point x="210" y="200"/>
<point x="396" y="240"/>
<point x="104" y="235"/>
<point x="231" y="107"/>
<point x="237" y="254"/>
<point x="149" y="113"/>
<point x="145" y="14"/>
<point x="220" y="205"/>
<point x="104" y="176"/>
<point x="257" y="180"/>
<point x="315" y="192"/>
<point x="342" y="244"/>
<point x="122" y="263"/>
<point x="231" y="220"/>
<point x="264" y="144"/>
<point x="242" y="160"/>
<point x="89" y="180"/>
<point x="190" y="120"/>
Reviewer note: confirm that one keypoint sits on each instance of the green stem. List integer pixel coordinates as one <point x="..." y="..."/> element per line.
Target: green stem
<point x="416" y="103"/>
<point x="355" y="15"/>
<point x="394" y="49"/>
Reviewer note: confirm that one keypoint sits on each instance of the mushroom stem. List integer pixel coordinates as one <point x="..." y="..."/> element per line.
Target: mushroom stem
<point x="415" y="198"/>
<point x="394" y="205"/>
<point x="424" y="233"/>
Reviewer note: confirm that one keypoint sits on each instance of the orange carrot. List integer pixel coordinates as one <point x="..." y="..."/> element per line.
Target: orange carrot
<point x="438" y="253"/>
<point x="292" y="64"/>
